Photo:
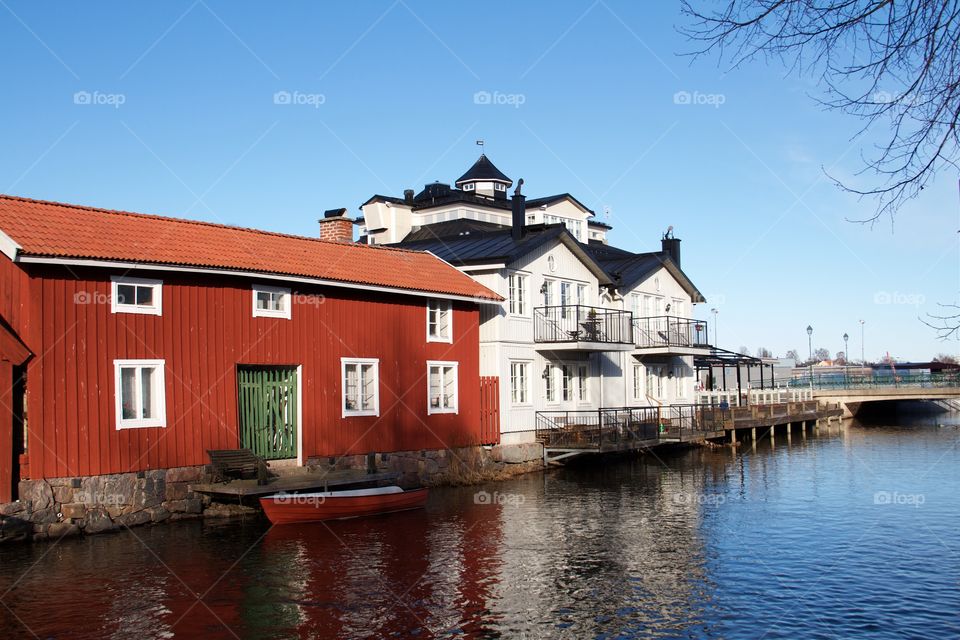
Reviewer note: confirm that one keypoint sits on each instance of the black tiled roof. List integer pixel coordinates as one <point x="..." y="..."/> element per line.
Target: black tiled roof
<point x="483" y="169"/>
<point x="453" y="229"/>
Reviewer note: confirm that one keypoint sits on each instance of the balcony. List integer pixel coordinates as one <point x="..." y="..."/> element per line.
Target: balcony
<point x="582" y="328"/>
<point x="671" y="336"/>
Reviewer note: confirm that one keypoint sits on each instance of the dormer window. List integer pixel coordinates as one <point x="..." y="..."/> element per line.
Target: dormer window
<point x="468" y="186"/>
<point x="499" y="187"/>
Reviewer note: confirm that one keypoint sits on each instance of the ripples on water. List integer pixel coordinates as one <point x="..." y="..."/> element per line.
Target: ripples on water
<point x="847" y="534"/>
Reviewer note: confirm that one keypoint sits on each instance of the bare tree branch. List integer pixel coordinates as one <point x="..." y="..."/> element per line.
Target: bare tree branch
<point x="888" y="63"/>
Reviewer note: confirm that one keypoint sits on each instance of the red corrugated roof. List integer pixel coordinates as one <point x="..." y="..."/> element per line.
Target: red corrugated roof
<point x="53" y="229"/>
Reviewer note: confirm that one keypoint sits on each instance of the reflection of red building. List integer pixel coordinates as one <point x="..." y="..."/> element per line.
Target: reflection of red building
<point x="145" y="340"/>
<point x="386" y="577"/>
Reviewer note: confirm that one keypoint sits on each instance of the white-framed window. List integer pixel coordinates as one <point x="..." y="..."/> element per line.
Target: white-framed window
<point x="654" y="384"/>
<point x="549" y="383"/>
<point x="647" y="309"/>
<point x="582" y="294"/>
<point x="140" y="394"/>
<point x="361" y="386"/>
<point x="583" y="379"/>
<point x="636" y="305"/>
<point x="566" y="382"/>
<point x="468" y="186"/>
<point x="271" y="302"/>
<point x="442" y="387"/>
<point x="439" y="321"/>
<point x="677" y="308"/>
<point x="565" y="288"/>
<point x="547" y="292"/>
<point x="499" y="187"/>
<point x="520" y="382"/>
<point x="136" y="295"/>
<point x="678" y="382"/>
<point x="638" y="382"/>
<point x="518" y="294"/>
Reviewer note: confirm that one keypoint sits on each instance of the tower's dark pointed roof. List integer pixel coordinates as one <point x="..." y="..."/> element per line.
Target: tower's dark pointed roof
<point x="483" y="169"/>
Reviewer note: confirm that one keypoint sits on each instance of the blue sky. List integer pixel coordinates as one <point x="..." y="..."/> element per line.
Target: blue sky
<point x="176" y="115"/>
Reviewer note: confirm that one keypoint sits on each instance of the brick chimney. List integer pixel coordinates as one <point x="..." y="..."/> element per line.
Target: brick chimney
<point x="335" y="226"/>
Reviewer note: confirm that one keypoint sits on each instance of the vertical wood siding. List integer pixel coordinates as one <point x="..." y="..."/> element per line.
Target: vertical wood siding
<point x="206" y="331"/>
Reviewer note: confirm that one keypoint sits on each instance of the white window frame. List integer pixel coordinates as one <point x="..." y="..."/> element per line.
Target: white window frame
<point x="159" y="392"/>
<point x="442" y="306"/>
<point x="286" y="301"/>
<point x="499" y="186"/>
<point x="155" y="309"/>
<point x="442" y="365"/>
<point x="360" y="362"/>
<point x="550" y="383"/>
<point x="468" y="186"/>
<point x="517" y="294"/>
<point x="583" y="383"/>
<point x="639" y="382"/>
<point x="548" y="300"/>
<point x="582" y="294"/>
<point x="520" y="396"/>
<point x="568" y="391"/>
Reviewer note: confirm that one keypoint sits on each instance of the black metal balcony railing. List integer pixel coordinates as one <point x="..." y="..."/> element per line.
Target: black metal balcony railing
<point x="580" y="323"/>
<point x="668" y="331"/>
<point x="619" y="427"/>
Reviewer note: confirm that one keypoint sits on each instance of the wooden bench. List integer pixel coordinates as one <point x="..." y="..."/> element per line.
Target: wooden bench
<point x="238" y="463"/>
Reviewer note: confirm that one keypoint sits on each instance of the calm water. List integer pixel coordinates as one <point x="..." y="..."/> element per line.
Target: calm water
<point x="856" y="533"/>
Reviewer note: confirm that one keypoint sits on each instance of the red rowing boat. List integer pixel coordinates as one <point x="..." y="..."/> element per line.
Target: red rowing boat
<point x="286" y="508"/>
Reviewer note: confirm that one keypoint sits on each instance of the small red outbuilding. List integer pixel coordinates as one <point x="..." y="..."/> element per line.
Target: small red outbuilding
<point x="131" y="342"/>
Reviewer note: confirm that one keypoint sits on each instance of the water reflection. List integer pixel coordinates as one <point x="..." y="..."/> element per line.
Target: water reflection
<point x="774" y="538"/>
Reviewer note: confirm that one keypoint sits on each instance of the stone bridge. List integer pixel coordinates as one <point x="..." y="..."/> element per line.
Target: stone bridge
<point x="852" y="397"/>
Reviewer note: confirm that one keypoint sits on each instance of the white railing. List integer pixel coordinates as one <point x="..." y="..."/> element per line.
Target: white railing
<point x="756" y="396"/>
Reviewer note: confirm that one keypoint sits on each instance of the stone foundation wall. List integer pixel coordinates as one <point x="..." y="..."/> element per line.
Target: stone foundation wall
<point x="69" y="506"/>
<point x="437" y="467"/>
<point x="59" y="507"/>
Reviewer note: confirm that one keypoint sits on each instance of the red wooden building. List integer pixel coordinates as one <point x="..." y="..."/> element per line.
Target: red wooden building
<point x="131" y="342"/>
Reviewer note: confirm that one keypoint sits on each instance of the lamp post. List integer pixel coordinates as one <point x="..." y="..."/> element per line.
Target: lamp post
<point x="716" y="340"/>
<point x="810" y="349"/>
<point x="846" y="356"/>
<point x="863" y="360"/>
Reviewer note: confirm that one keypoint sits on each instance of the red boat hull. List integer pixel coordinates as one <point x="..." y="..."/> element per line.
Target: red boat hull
<point x="291" y="509"/>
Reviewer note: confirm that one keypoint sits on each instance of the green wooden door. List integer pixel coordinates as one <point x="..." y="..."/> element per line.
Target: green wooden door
<point x="268" y="411"/>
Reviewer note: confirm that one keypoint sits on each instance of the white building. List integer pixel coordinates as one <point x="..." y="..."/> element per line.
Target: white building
<point x="585" y="325"/>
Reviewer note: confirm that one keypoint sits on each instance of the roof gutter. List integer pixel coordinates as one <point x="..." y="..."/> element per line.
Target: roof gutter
<point x="255" y="275"/>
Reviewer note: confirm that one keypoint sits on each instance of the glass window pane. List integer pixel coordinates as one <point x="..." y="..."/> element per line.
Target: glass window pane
<point x="145" y="296"/>
<point x="146" y="392"/>
<point x="350" y="386"/>
<point x="367" y="387"/>
<point x="435" y="386"/>
<point x="449" y="388"/>
<point x="263" y="300"/>
<point x="126" y="294"/>
<point x="128" y="393"/>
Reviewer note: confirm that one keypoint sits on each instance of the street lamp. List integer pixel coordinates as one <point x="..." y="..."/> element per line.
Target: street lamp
<point x="810" y="341"/>
<point x="716" y="340"/>
<point x="846" y="356"/>
<point x="863" y="360"/>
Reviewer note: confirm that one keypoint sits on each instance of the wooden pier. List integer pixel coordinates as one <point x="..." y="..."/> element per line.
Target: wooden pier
<point x="565" y="434"/>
